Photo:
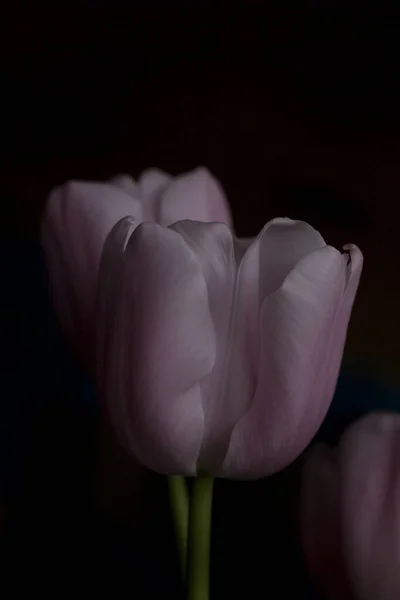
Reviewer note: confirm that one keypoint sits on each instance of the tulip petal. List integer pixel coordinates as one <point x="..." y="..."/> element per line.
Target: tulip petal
<point x="329" y="368"/>
<point x="369" y="461"/>
<point x="264" y="264"/>
<point x="196" y="195"/>
<point x="212" y="243"/>
<point x="263" y="267"/>
<point x="294" y="324"/>
<point x="152" y="181"/>
<point x="77" y="220"/>
<point x="167" y="346"/>
<point x="280" y="246"/>
<point x="234" y="297"/>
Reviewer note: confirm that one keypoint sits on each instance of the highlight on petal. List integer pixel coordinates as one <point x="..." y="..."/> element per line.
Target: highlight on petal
<point x="280" y="246"/>
<point x="295" y="322"/>
<point x="77" y="220"/>
<point x="197" y="196"/>
<point x="163" y="346"/>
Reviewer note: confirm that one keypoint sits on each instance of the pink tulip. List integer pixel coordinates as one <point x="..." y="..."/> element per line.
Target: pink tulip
<point x="351" y="512"/>
<point x="80" y="215"/>
<point x="220" y="355"/>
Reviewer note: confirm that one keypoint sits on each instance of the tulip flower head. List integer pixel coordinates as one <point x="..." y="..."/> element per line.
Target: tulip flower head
<point x="217" y="355"/>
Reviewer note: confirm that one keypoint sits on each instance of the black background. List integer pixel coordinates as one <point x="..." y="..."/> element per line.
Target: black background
<point x="295" y="108"/>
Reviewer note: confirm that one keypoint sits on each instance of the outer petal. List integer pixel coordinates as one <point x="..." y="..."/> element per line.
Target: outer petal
<point x="234" y="299"/>
<point x="295" y="322"/>
<point x="321" y="528"/>
<point x="369" y="462"/>
<point x="77" y="220"/>
<point x="279" y="247"/>
<point x="164" y="345"/>
<point x="325" y="383"/>
<point x="197" y="196"/>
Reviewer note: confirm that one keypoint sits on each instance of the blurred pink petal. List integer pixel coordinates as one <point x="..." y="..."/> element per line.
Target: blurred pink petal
<point x="197" y="196"/>
<point x="369" y="462"/>
<point x="128" y="184"/>
<point x="78" y="218"/>
<point x="353" y="523"/>
<point x="80" y="215"/>
<point x="152" y="181"/>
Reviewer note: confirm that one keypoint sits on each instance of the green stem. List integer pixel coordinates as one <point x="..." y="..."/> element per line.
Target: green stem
<point x="179" y="501"/>
<point x="198" y="580"/>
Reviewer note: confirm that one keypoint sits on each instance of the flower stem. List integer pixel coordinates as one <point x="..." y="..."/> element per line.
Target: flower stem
<point x="179" y="502"/>
<point x="198" y="579"/>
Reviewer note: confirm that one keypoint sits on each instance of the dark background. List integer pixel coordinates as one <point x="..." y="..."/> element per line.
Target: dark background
<point x="296" y="110"/>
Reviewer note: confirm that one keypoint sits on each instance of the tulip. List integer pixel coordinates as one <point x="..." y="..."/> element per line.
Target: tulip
<point x="350" y="512"/>
<point x="220" y="356"/>
<point x="80" y="215"/>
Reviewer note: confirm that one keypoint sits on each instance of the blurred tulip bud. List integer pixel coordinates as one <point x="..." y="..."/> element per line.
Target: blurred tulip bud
<point x="80" y="215"/>
<point x="219" y="355"/>
<point x="350" y="512"/>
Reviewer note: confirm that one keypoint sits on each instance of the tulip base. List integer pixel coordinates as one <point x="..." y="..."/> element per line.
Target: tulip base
<point x="198" y="557"/>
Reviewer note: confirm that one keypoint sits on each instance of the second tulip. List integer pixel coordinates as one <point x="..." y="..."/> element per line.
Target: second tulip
<point x="78" y="217"/>
<point x="350" y="512"/>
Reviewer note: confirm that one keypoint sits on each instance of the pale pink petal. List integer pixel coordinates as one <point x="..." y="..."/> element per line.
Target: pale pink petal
<point x="166" y="341"/>
<point x="77" y="220"/>
<point x="280" y="246"/>
<point x="295" y="322"/>
<point x="275" y="252"/>
<point x="329" y="368"/>
<point x="212" y="243"/>
<point x="369" y="462"/>
<point x="281" y="243"/>
<point x="234" y="305"/>
<point x="321" y="527"/>
<point x="197" y="196"/>
<point x="153" y="181"/>
<point x="265" y="264"/>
